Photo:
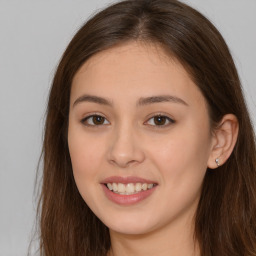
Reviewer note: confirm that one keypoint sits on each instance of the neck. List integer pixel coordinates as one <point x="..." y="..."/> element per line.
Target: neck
<point x="175" y="239"/>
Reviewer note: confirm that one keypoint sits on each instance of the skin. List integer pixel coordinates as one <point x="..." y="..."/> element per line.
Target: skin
<point x="129" y="142"/>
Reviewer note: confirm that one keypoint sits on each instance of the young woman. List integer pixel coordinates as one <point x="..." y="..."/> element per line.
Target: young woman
<point x="149" y="148"/>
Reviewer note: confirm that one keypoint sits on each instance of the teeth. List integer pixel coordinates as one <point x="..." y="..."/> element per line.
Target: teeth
<point x="114" y="185"/>
<point x="144" y="186"/>
<point x="150" y="186"/>
<point x="138" y="187"/>
<point x="130" y="188"/>
<point x="120" y="188"/>
<point x="110" y="186"/>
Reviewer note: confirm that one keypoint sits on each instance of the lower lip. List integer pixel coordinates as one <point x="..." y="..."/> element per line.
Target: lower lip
<point x="127" y="199"/>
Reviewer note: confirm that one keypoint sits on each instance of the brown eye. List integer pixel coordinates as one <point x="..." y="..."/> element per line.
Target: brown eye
<point x="160" y="120"/>
<point x="95" y="120"/>
<point x="98" y="120"/>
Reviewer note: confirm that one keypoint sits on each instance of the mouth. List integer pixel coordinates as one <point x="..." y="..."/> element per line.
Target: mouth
<point x="129" y="188"/>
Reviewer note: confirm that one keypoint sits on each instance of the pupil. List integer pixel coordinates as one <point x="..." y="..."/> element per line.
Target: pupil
<point x="160" y="120"/>
<point x="98" y="120"/>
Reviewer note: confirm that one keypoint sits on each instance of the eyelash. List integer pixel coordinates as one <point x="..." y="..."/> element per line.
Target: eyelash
<point x="85" y="120"/>
<point x="166" y="119"/>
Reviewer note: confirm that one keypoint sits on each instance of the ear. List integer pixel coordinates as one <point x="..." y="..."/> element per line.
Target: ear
<point x="223" y="141"/>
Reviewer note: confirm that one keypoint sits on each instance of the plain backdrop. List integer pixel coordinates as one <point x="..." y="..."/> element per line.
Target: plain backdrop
<point x="33" y="36"/>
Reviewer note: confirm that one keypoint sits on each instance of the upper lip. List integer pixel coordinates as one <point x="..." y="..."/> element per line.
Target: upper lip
<point x="126" y="180"/>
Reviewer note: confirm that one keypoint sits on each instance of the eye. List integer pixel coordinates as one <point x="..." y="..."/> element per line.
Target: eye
<point x="95" y="120"/>
<point x="160" y="120"/>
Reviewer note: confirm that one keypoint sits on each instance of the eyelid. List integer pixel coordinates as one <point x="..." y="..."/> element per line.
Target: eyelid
<point x="84" y="119"/>
<point x="170" y="120"/>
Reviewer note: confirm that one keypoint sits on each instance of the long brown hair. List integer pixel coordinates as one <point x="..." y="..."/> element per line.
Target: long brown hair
<point x="225" y="221"/>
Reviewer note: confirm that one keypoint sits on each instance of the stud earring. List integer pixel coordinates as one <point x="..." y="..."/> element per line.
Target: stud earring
<point x="217" y="160"/>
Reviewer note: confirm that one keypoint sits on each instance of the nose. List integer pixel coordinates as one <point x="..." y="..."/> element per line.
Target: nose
<point x="125" y="149"/>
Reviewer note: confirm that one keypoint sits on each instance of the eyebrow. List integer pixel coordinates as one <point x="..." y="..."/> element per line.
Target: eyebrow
<point x="141" y="101"/>
<point x="159" y="99"/>
<point x="94" y="99"/>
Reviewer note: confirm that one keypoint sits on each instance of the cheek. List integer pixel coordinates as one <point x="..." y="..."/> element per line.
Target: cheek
<point x="182" y="164"/>
<point x="86" y="157"/>
<point x="86" y="154"/>
<point x="184" y="156"/>
<point x="84" y="150"/>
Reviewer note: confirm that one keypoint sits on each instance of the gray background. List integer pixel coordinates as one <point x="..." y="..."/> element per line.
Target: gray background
<point x="33" y="35"/>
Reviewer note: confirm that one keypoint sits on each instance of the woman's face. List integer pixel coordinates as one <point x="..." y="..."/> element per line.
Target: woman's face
<point x="139" y="125"/>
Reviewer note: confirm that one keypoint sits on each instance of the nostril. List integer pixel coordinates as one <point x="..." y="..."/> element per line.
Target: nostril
<point x="124" y="150"/>
<point x="123" y="162"/>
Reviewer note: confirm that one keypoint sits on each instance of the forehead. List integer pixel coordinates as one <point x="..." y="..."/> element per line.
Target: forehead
<point x="134" y="69"/>
<point x="123" y="55"/>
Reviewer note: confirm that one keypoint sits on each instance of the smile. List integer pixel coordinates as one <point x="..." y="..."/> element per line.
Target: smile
<point x="127" y="191"/>
<point x="130" y="188"/>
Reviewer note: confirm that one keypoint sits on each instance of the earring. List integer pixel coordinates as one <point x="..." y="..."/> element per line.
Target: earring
<point x="217" y="160"/>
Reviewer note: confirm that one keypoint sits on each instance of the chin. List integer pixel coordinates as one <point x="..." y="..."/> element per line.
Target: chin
<point x="129" y="230"/>
<point x="130" y="225"/>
